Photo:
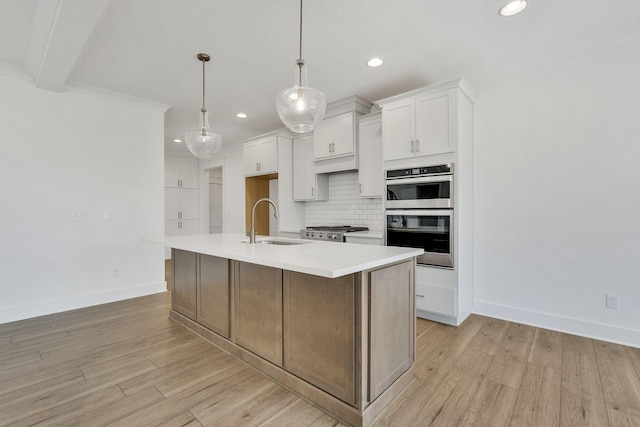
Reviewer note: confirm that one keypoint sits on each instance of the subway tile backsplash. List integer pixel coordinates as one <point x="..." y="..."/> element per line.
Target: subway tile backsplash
<point x="345" y="207"/>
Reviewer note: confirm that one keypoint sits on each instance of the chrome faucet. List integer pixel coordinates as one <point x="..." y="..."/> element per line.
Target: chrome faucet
<point x="252" y="230"/>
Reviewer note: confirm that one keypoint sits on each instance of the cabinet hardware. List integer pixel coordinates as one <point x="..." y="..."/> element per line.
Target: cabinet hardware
<point x="361" y="187"/>
<point x="413" y="146"/>
<point x="417" y="145"/>
<point x="180" y="215"/>
<point x="313" y="190"/>
<point x="179" y="225"/>
<point x="420" y="296"/>
<point x="179" y="183"/>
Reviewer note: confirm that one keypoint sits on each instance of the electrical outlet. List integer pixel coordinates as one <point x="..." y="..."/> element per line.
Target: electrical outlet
<point x="77" y="216"/>
<point x="116" y="273"/>
<point x="613" y="301"/>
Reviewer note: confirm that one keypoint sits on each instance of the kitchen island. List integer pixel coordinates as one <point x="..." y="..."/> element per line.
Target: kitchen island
<point x="332" y="322"/>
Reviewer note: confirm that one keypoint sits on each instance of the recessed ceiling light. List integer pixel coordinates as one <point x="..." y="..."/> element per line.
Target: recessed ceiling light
<point x="177" y="140"/>
<point x="513" y="7"/>
<point x="241" y="115"/>
<point x="375" y="62"/>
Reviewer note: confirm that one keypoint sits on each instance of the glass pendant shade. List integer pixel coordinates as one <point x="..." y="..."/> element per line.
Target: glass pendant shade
<point x="300" y="107"/>
<point x="203" y="142"/>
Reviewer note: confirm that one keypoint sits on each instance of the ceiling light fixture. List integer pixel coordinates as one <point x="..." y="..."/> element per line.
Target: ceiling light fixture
<point x="300" y="107"/>
<point x="177" y="140"/>
<point x="375" y="62"/>
<point x="203" y="142"/>
<point x="241" y="115"/>
<point x="512" y="8"/>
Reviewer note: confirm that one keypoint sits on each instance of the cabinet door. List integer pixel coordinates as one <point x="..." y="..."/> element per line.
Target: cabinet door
<point x="171" y="203"/>
<point x="306" y="184"/>
<point x="319" y="331"/>
<point x="188" y="208"/>
<point x="435" y="123"/>
<point x="322" y="140"/>
<point x="187" y="227"/>
<point x="269" y="156"/>
<point x="370" y="173"/>
<point x="188" y="172"/>
<point x="183" y="292"/>
<point x="251" y="158"/>
<point x="343" y="135"/>
<point x="171" y="171"/>
<point x="334" y="137"/>
<point x="398" y="130"/>
<point x="258" y="310"/>
<point x="213" y="294"/>
<point x="303" y="176"/>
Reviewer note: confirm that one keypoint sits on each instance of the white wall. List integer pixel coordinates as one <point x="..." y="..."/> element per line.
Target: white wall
<point x="557" y="193"/>
<point x="66" y="152"/>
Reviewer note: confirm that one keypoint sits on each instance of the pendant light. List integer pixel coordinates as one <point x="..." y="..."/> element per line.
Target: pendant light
<point x="203" y="142"/>
<point x="300" y="107"/>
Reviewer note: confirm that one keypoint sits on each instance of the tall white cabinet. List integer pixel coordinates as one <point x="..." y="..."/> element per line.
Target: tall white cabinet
<point x="180" y="196"/>
<point x="431" y="126"/>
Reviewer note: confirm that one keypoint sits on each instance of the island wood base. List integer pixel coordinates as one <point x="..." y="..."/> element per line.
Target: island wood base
<point x="336" y="408"/>
<point x="346" y="345"/>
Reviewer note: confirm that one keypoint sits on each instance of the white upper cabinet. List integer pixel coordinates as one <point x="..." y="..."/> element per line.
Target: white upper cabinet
<point x="334" y="137"/>
<point x="180" y="172"/>
<point x="419" y="126"/>
<point x="370" y="172"/>
<point x="260" y="157"/>
<point x="306" y="184"/>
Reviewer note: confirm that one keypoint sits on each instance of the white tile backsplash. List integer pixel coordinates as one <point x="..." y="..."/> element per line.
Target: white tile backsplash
<point x="345" y="207"/>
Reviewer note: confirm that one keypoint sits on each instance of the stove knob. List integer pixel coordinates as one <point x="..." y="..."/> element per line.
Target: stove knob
<point x="306" y="234"/>
<point x="319" y="234"/>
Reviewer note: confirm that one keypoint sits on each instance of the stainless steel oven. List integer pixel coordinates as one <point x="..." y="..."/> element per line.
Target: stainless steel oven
<point x="419" y="212"/>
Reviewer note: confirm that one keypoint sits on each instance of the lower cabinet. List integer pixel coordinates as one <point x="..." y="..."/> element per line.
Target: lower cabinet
<point x="213" y="294"/>
<point x="319" y="332"/>
<point x="185" y="279"/>
<point x="258" y="310"/>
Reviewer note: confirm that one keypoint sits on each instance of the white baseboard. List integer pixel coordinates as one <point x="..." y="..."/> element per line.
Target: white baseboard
<point x="12" y="314"/>
<point x="584" y="328"/>
<point x="448" y="320"/>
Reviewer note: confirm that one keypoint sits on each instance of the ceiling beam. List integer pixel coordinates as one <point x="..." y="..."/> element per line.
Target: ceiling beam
<point x="61" y="30"/>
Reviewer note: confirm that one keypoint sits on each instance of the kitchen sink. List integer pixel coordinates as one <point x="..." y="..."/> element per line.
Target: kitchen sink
<point x="275" y="242"/>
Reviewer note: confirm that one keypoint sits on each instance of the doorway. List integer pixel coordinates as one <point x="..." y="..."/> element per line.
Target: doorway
<point x="215" y="200"/>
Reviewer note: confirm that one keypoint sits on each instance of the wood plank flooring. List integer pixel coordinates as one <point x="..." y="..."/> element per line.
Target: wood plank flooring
<point x="127" y="364"/>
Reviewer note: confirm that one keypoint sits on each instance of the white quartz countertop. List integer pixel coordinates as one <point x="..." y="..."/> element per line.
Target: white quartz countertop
<point x="326" y="259"/>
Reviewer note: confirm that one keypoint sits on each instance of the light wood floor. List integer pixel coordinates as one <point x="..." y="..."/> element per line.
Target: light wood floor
<point x="127" y="364"/>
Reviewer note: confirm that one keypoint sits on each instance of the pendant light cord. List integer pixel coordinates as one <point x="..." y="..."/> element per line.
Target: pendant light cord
<point x="300" y="61"/>
<point x="203" y="83"/>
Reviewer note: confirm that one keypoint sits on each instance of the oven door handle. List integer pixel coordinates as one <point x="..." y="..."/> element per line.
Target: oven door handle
<point x="419" y="212"/>
<point x="420" y="179"/>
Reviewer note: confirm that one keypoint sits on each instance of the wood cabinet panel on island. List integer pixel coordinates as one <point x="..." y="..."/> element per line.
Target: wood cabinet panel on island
<point x="319" y="331"/>
<point x="258" y="310"/>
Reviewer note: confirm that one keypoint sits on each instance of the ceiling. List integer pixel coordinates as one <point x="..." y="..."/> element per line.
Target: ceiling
<point x="147" y="48"/>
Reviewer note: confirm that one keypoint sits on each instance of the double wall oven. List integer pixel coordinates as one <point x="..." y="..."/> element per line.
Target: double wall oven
<point x="419" y="212"/>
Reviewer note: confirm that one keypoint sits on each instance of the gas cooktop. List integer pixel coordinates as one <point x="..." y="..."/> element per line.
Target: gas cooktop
<point x="332" y="233"/>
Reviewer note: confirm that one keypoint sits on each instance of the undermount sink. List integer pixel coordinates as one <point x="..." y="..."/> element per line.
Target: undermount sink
<point x="275" y="242"/>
